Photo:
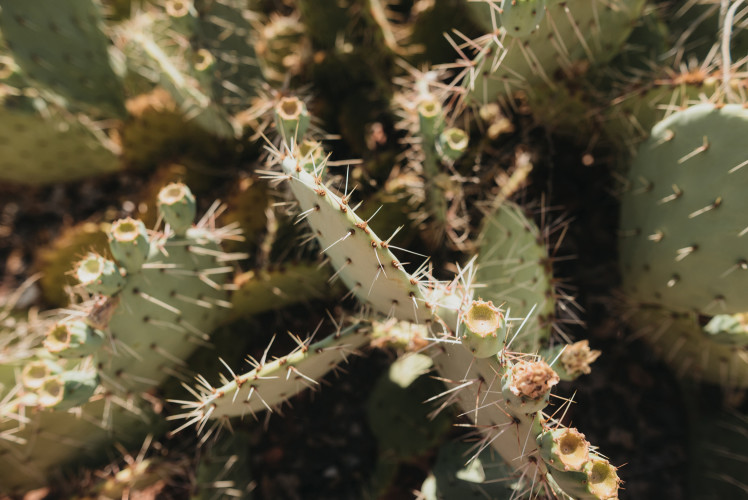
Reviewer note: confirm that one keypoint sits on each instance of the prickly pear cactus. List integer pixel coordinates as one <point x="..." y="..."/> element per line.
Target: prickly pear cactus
<point x="92" y="379"/>
<point x="158" y="46"/>
<point x="472" y="355"/>
<point x="684" y="213"/>
<point x="683" y="228"/>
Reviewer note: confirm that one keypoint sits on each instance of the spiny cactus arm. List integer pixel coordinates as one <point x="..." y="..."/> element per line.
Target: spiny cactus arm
<point x="171" y="301"/>
<point x="226" y="30"/>
<point x="271" y="383"/>
<point x="433" y="144"/>
<point x="513" y="269"/>
<point x="363" y="261"/>
<point x="504" y="396"/>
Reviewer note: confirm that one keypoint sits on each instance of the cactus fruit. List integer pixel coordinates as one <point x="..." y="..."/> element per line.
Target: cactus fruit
<point x="53" y="261"/>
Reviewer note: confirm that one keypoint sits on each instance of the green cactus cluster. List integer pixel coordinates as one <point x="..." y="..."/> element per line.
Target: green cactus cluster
<point x="460" y="140"/>
<point x="151" y="306"/>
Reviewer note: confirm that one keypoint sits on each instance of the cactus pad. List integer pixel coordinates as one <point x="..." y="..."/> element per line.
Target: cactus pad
<point x="683" y="219"/>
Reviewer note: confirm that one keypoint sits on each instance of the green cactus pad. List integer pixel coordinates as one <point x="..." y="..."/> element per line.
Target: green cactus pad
<point x="521" y="17"/>
<point x="571" y="31"/>
<point x="157" y="45"/>
<point x="461" y="473"/>
<point x="264" y="290"/>
<point x="514" y="271"/>
<point x="167" y="307"/>
<point x="61" y="46"/>
<point x="683" y="243"/>
<point x="397" y="415"/>
<point x="40" y="143"/>
<point x="680" y="340"/>
<point x="226" y="30"/>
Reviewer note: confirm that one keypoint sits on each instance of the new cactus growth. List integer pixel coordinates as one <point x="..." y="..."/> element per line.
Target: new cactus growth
<point x="484" y="329"/>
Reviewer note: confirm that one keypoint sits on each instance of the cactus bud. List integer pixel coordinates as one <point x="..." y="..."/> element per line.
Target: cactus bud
<point x="527" y="386"/>
<point x="70" y="339"/>
<point x="99" y="275"/>
<point x="598" y="480"/>
<point x="177" y="204"/>
<point x="483" y="322"/>
<point x="35" y="373"/>
<point x="574" y="360"/>
<point x="204" y="61"/>
<point x="292" y="119"/>
<point x="564" y="449"/>
<point x="453" y="143"/>
<point x="129" y="243"/>
<point x="429" y="117"/>
<point x="67" y="389"/>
